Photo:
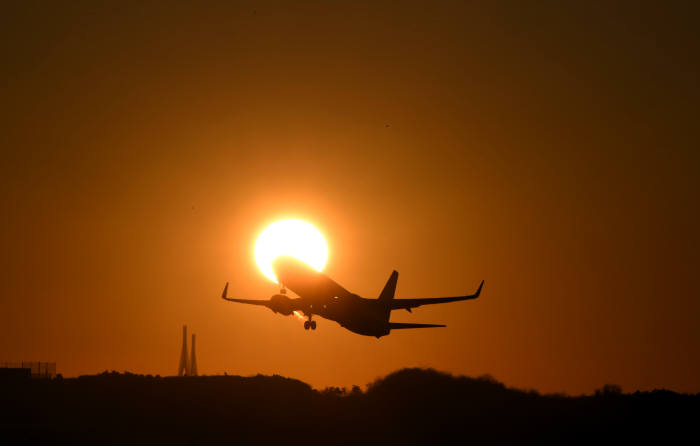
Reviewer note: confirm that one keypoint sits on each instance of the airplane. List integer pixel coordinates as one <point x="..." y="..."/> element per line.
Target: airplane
<point x="320" y="295"/>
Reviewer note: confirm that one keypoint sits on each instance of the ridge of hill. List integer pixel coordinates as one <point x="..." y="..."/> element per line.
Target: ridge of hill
<point x="407" y="405"/>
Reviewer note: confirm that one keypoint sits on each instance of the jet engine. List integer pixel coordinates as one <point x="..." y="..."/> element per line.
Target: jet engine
<point x="279" y="303"/>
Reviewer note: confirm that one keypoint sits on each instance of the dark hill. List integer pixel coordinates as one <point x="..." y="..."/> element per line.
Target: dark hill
<point x="413" y="405"/>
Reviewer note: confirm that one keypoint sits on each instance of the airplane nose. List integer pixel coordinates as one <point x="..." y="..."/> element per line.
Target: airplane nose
<point x="282" y="266"/>
<point x="287" y="267"/>
<point x="278" y="265"/>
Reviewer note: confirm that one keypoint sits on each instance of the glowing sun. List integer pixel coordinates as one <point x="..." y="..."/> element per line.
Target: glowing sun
<point x="293" y="238"/>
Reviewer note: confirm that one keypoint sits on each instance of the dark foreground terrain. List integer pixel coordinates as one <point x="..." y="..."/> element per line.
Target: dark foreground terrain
<point x="411" y="405"/>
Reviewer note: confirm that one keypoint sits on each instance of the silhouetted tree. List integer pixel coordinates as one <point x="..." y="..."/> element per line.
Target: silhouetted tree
<point x="409" y="405"/>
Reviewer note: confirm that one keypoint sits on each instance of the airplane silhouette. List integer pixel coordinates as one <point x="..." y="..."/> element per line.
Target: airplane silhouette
<point x="318" y="294"/>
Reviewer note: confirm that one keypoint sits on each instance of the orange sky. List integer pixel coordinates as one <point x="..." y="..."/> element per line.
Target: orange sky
<point x="552" y="152"/>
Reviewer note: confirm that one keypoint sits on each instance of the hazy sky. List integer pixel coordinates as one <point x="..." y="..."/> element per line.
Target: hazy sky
<point x="552" y="150"/>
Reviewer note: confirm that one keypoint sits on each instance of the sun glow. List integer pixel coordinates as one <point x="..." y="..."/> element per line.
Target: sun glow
<point x="293" y="238"/>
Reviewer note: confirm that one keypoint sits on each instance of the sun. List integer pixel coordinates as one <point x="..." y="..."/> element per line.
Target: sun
<point x="295" y="238"/>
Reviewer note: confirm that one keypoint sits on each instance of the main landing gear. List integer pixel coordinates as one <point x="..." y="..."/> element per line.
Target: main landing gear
<point x="310" y="324"/>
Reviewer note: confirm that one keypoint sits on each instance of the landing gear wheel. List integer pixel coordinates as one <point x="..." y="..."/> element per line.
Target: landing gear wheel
<point x="307" y="324"/>
<point x="313" y="325"/>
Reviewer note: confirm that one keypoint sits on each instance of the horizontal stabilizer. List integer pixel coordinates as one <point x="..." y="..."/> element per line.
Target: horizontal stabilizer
<point x="398" y="325"/>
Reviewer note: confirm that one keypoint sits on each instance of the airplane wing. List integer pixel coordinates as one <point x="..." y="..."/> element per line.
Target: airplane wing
<point x="278" y="303"/>
<point x="397" y="325"/>
<point x="407" y="304"/>
<point x="264" y="303"/>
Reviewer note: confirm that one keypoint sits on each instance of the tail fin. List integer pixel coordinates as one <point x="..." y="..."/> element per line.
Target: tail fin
<point x="390" y="288"/>
<point x="387" y="294"/>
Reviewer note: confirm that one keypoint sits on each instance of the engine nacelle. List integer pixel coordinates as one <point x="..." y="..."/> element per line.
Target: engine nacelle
<point x="279" y="303"/>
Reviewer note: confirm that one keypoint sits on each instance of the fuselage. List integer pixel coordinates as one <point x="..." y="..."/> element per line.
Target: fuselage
<point x="320" y="295"/>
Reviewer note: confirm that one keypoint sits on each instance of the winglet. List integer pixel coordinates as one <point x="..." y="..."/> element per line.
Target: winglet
<point x="223" y="295"/>
<point x="478" y="291"/>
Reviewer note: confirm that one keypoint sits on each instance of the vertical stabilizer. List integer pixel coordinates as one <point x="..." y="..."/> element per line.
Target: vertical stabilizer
<point x="387" y="293"/>
<point x="183" y="369"/>
<point x="390" y="287"/>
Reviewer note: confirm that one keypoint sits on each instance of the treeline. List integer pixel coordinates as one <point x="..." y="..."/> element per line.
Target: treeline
<point x="410" y="405"/>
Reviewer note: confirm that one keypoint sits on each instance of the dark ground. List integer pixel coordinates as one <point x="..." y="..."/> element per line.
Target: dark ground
<point x="410" y="405"/>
